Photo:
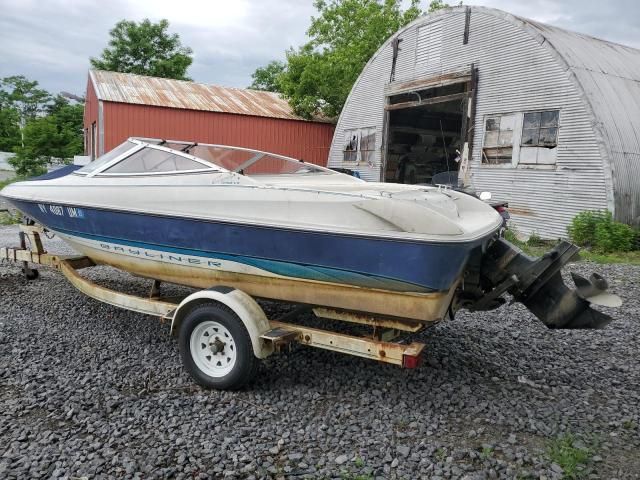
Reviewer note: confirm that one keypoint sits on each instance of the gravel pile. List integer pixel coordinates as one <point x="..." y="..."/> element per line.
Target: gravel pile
<point x="88" y="390"/>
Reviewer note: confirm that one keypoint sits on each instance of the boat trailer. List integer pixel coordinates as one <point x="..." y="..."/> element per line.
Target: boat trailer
<point x="218" y="348"/>
<point x="223" y="332"/>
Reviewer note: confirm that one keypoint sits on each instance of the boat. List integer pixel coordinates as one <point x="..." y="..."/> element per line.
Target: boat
<point x="279" y="228"/>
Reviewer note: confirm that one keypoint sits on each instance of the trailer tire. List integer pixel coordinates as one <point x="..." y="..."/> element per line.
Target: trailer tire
<point x="216" y="348"/>
<point x="30" y="273"/>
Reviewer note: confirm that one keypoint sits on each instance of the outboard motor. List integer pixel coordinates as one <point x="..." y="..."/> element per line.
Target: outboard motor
<point x="538" y="284"/>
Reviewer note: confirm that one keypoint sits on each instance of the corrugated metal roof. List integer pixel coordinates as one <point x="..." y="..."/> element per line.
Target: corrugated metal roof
<point x="164" y="92"/>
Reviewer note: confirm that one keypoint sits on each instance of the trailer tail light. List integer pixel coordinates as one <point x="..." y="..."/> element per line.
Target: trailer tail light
<point x="411" y="361"/>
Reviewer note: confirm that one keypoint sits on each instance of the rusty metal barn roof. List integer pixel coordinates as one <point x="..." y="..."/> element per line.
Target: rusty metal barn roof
<point x="164" y="92"/>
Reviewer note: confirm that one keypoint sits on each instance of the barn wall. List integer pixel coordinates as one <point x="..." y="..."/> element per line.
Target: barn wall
<point x="308" y="141"/>
<point x="90" y="112"/>
<point x="516" y="74"/>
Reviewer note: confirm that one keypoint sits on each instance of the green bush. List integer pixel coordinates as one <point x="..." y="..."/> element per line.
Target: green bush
<point x="614" y="237"/>
<point x="582" y="230"/>
<point x="598" y="230"/>
<point x="27" y="165"/>
<point x="535" y="240"/>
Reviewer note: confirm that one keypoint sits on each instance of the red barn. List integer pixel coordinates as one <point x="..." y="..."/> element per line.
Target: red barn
<point x="122" y="105"/>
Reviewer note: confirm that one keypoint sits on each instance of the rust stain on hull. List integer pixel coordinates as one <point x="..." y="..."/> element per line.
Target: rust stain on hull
<point x="423" y="307"/>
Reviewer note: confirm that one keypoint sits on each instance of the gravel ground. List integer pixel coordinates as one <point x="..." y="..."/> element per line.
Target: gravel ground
<point x="88" y="390"/>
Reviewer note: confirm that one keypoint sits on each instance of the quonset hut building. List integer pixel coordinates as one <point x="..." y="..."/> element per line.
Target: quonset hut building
<point x="544" y="118"/>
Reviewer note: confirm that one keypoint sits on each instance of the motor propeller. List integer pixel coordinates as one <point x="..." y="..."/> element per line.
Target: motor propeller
<point x="593" y="290"/>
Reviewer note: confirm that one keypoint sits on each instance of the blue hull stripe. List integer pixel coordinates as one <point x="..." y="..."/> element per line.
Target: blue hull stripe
<point x="358" y="260"/>
<point x="279" y="268"/>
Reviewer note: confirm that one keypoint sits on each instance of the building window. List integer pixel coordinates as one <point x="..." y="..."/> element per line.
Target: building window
<point x="351" y="147"/>
<point x="540" y="129"/>
<point x="539" y="138"/>
<point x="368" y="145"/>
<point x="498" y="139"/>
<point x="361" y="140"/>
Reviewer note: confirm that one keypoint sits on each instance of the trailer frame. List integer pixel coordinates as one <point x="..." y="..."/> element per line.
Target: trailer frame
<point x="267" y="335"/>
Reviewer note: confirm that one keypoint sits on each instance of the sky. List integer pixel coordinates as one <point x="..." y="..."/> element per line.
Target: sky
<point x="51" y="41"/>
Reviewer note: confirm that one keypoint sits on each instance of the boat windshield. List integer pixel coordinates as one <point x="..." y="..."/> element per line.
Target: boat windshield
<point x="250" y="162"/>
<point x="142" y="156"/>
<point x="107" y="157"/>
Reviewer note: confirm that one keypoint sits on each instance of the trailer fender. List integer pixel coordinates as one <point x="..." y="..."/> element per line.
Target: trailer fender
<point x="241" y="303"/>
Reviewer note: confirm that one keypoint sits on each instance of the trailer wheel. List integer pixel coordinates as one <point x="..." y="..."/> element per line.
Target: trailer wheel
<point x="216" y="348"/>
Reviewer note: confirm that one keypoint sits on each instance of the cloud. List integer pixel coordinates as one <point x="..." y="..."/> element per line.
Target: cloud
<point x="52" y="41"/>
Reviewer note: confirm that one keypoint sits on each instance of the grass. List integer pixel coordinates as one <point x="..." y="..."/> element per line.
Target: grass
<point x="538" y="247"/>
<point x="486" y="452"/>
<point x="4" y="183"/>
<point x="535" y="246"/>
<point x="8" y="219"/>
<point x="632" y="257"/>
<point x="572" y="458"/>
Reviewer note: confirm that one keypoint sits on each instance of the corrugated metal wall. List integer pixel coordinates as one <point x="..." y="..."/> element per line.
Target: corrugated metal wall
<point x="300" y="139"/>
<point x="365" y="108"/>
<point x="516" y="74"/>
<point x="609" y="75"/>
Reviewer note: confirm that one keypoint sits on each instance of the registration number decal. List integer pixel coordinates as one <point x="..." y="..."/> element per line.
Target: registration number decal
<point x="60" y="211"/>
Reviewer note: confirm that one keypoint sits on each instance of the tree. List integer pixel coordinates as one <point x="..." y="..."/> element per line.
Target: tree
<point x="37" y="126"/>
<point x="68" y="119"/>
<point x="32" y="156"/>
<point x="267" y="78"/>
<point x="55" y="136"/>
<point x="24" y="97"/>
<point x="145" y="48"/>
<point x="318" y="76"/>
<point x="437" y="5"/>
<point x="9" y="129"/>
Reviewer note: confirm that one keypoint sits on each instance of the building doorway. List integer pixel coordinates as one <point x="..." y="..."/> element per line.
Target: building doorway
<point x="426" y="134"/>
